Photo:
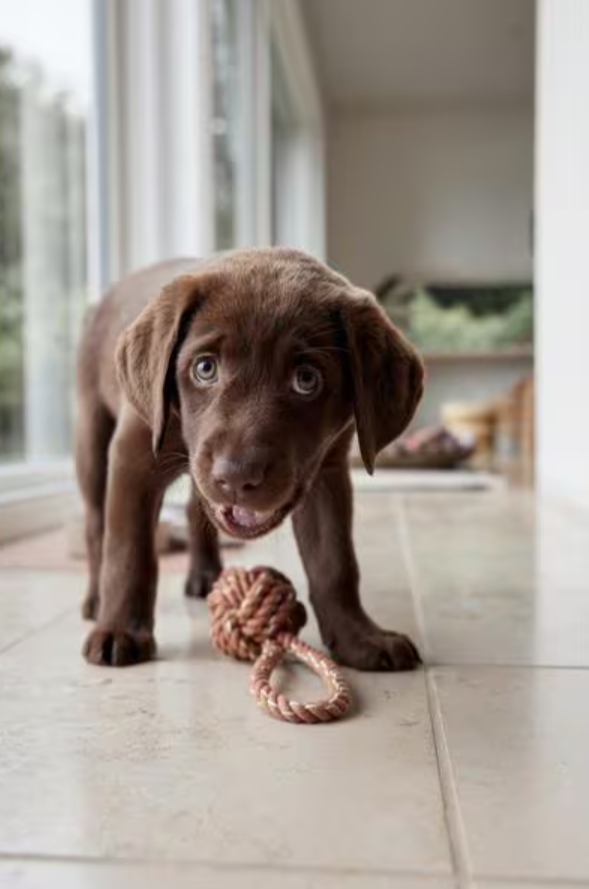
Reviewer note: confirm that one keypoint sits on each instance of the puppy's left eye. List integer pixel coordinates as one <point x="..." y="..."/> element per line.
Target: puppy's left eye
<point x="306" y="381"/>
<point x="206" y="369"/>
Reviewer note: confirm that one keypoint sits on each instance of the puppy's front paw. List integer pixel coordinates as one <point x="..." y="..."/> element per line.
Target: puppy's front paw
<point x="200" y="583"/>
<point x="376" y="649"/>
<point x="116" y="648"/>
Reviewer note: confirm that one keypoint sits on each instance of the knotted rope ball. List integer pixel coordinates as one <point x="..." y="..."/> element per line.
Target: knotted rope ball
<point x="255" y="616"/>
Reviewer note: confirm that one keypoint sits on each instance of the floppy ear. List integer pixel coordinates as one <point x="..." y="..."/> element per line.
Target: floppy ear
<point x="147" y="349"/>
<point x="386" y="375"/>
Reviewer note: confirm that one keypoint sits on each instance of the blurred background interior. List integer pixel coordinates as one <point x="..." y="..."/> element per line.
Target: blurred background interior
<point x="398" y="146"/>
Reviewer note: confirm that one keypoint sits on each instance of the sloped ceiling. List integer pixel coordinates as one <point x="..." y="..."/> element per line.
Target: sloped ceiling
<point x="371" y="53"/>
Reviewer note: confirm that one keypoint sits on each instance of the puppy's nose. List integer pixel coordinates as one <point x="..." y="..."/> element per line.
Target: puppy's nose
<point x="238" y="476"/>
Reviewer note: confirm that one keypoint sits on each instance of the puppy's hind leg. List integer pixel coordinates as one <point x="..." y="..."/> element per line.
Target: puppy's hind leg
<point x="203" y="544"/>
<point x="94" y="432"/>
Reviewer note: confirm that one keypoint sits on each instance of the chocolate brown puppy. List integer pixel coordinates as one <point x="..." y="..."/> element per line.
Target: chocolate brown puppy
<point x="250" y="372"/>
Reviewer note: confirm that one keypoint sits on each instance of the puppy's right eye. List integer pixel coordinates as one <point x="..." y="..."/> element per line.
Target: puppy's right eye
<point x="306" y="381"/>
<point x="206" y="369"/>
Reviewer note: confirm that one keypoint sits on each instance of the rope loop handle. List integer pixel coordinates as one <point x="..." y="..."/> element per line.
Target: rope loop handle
<point x="255" y="616"/>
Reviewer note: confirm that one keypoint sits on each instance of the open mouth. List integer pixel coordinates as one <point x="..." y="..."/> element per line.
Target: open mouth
<point x="247" y="524"/>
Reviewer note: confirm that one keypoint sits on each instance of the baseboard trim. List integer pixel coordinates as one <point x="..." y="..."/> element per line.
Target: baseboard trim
<point x="28" y="511"/>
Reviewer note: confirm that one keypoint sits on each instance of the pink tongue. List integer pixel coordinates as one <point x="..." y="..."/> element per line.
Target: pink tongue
<point x="247" y="518"/>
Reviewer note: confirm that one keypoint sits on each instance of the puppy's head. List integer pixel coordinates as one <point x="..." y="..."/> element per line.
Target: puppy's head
<point x="267" y="357"/>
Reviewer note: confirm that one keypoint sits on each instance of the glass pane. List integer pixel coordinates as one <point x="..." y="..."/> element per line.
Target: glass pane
<point x="225" y="121"/>
<point x="45" y="74"/>
<point x="283" y="134"/>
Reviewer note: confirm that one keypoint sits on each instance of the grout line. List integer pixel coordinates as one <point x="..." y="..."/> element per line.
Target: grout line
<point x="452" y="812"/>
<point x="476" y="665"/>
<point x="222" y="866"/>
<point x="42" y="569"/>
<point x="493" y="881"/>
<point x="72" y="571"/>
<point x="406" y="554"/>
<point x="35" y="632"/>
<point x="496" y="882"/>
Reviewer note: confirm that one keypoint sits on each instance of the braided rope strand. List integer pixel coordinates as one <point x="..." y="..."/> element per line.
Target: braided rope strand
<point x="255" y="616"/>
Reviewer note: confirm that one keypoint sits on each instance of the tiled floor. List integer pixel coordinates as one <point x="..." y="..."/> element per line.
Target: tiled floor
<point x="471" y="772"/>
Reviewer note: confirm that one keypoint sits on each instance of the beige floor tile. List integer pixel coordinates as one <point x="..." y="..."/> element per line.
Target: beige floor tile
<point x="518" y="742"/>
<point x="60" y="875"/>
<point x="498" y="583"/>
<point x="191" y="770"/>
<point x="29" y="601"/>
<point x="173" y="761"/>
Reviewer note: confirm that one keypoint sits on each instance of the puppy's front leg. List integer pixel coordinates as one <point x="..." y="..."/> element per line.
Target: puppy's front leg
<point x="323" y="528"/>
<point x="124" y="631"/>
<point x="203" y="547"/>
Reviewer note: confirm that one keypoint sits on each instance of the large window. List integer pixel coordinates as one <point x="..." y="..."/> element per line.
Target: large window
<point x="45" y="75"/>
<point x="191" y="139"/>
<point x="225" y="120"/>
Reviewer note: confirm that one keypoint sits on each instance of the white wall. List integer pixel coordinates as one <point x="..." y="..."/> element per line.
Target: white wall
<point x="445" y="194"/>
<point x="562" y="236"/>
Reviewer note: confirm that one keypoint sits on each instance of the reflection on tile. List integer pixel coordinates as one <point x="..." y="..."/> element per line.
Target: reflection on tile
<point x="30" y="600"/>
<point x="498" y="585"/>
<point x="518" y="742"/>
<point x="54" y="875"/>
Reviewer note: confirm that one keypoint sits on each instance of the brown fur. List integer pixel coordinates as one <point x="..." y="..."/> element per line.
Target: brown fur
<point x="246" y="439"/>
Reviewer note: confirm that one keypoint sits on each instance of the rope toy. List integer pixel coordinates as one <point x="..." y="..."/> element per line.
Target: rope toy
<point x="255" y="616"/>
